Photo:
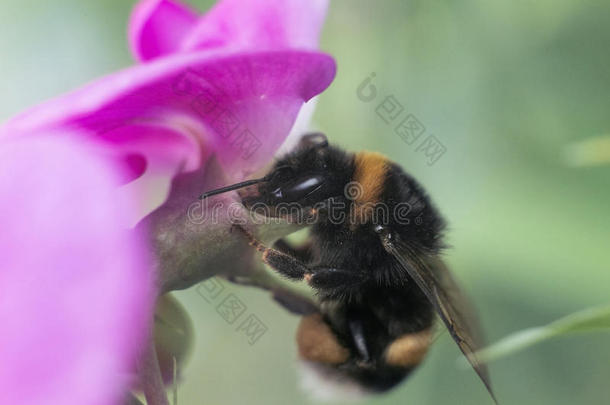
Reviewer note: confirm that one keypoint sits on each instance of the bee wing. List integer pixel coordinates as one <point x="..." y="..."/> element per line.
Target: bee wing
<point x="452" y="306"/>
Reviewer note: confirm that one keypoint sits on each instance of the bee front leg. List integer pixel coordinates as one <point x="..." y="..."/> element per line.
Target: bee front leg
<point x="284" y="264"/>
<point x="302" y="252"/>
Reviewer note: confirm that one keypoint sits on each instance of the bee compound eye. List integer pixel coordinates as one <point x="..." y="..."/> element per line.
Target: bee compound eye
<point x="298" y="189"/>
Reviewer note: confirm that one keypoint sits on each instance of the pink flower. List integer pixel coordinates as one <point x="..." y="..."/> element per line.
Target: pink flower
<point x="229" y="84"/>
<point x="75" y="289"/>
<point x="75" y="283"/>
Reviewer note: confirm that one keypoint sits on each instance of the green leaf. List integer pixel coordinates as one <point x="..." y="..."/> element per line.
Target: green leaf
<point x="588" y="320"/>
<point x="174" y="336"/>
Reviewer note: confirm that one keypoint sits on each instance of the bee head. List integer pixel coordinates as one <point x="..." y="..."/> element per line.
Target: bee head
<point x="298" y="182"/>
<point x="304" y="177"/>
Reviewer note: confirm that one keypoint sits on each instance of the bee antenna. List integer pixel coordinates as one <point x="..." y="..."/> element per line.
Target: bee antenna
<point x="233" y="187"/>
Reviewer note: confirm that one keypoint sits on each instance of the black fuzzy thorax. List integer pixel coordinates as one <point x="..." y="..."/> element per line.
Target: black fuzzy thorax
<point x="422" y="225"/>
<point x="339" y="244"/>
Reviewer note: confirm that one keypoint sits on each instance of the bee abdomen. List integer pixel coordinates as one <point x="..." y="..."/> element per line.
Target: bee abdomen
<point x="409" y="349"/>
<point x="318" y="343"/>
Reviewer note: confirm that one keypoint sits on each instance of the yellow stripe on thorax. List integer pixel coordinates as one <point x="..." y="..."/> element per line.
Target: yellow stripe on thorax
<point x="369" y="176"/>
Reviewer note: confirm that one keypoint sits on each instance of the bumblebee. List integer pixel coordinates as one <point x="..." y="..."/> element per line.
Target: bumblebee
<point x="373" y="258"/>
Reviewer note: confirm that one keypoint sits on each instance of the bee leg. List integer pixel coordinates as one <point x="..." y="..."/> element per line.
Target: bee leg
<point x="302" y="252"/>
<point x="284" y="264"/>
<point x="326" y="277"/>
<point x="291" y="301"/>
<point x="294" y="303"/>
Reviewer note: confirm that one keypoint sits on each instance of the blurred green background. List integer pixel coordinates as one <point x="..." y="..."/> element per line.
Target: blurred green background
<point x="505" y="86"/>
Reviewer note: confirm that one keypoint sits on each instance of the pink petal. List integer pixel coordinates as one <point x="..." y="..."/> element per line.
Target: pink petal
<point x="156" y="27"/>
<point x="259" y="25"/>
<point x="74" y="285"/>
<point x="161" y="27"/>
<point x="175" y="111"/>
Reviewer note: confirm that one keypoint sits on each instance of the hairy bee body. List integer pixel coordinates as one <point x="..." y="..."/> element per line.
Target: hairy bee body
<point x="373" y="258"/>
<point x="381" y="322"/>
